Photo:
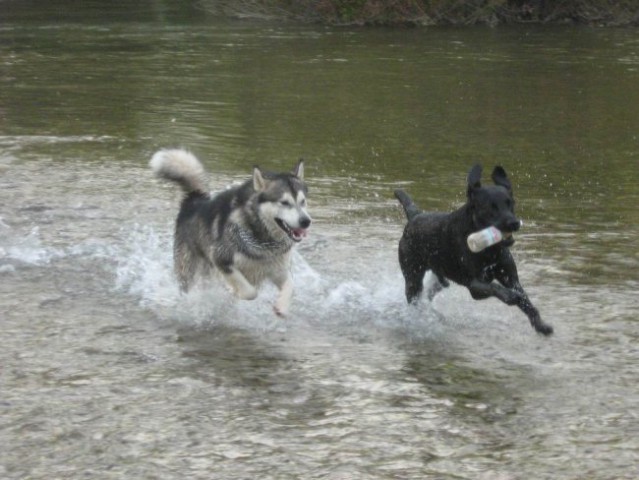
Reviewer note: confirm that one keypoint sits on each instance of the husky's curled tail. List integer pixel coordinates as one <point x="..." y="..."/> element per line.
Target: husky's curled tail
<point x="410" y="209"/>
<point x="181" y="167"/>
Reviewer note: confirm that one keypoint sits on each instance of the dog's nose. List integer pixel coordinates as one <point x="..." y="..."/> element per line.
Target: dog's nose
<point x="513" y="225"/>
<point x="305" y="222"/>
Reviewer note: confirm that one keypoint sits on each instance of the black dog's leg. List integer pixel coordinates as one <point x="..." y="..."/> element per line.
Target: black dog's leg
<point x="480" y="290"/>
<point x="434" y="289"/>
<point x="414" y="279"/>
<point x="413" y="269"/>
<point x="439" y="283"/>
<point x="511" y="296"/>
<point x="508" y="277"/>
<point x="526" y="306"/>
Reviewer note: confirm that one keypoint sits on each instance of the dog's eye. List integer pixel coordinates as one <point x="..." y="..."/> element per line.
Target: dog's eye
<point x="303" y="203"/>
<point x="286" y="203"/>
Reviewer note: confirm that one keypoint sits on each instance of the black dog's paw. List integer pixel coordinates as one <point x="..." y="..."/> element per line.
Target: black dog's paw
<point x="543" y="328"/>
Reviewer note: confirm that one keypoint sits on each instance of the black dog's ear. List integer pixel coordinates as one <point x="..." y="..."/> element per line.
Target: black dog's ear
<point x="474" y="178"/>
<point x="500" y="178"/>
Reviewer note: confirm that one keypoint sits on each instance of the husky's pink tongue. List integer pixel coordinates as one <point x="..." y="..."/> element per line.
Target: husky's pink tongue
<point x="300" y="232"/>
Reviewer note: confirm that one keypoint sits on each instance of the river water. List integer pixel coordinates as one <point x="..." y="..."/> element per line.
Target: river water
<point x="107" y="372"/>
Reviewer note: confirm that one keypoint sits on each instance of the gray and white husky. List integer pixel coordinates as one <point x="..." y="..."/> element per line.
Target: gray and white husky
<point x="245" y="233"/>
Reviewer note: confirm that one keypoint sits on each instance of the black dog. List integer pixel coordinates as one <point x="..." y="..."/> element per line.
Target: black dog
<point x="437" y="242"/>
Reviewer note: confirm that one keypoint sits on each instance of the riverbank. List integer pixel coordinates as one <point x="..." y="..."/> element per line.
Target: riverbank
<point x="432" y="12"/>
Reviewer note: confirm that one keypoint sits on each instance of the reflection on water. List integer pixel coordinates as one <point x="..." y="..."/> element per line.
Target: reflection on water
<point x="109" y="372"/>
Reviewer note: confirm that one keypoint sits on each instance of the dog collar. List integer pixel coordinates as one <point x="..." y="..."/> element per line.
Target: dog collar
<point x="253" y="245"/>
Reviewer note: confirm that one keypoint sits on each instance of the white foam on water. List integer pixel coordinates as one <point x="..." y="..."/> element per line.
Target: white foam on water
<point x="11" y="140"/>
<point x="28" y="249"/>
<point x="145" y="267"/>
<point x="19" y="249"/>
<point x="368" y="294"/>
<point x="357" y="296"/>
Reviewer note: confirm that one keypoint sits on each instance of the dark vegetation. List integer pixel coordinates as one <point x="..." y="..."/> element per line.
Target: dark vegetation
<point x="433" y="12"/>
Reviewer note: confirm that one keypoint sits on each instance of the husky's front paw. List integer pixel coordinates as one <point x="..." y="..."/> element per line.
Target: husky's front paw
<point x="247" y="292"/>
<point x="281" y="312"/>
<point x="283" y="301"/>
<point x="241" y="287"/>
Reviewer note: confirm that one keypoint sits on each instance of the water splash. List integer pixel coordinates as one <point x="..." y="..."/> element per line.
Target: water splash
<point x="366" y="295"/>
<point x="337" y="291"/>
<point x="17" y="248"/>
<point x="145" y="269"/>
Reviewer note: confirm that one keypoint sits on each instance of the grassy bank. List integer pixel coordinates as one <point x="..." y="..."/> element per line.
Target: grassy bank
<point x="434" y="12"/>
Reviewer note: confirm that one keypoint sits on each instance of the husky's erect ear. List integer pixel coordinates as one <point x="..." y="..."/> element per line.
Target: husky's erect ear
<point x="298" y="171"/>
<point x="474" y="178"/>
<point x="259" y="183"/>
<point x="500" y="178"/>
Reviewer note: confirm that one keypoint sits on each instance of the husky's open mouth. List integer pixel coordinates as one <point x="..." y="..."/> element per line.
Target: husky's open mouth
<point x="295" y="234"/>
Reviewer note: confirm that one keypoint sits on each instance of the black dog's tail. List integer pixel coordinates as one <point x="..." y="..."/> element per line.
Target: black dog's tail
<point x="409" y="206"/>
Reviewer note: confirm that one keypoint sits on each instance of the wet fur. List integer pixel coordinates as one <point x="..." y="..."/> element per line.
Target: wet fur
<point x="235" y="233"/>
<point x="437" y="241"/>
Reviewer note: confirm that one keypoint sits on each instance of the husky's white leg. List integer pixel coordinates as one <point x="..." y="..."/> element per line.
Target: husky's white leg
<point x="283" y="302"/>
<point x="240" y="285"/>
